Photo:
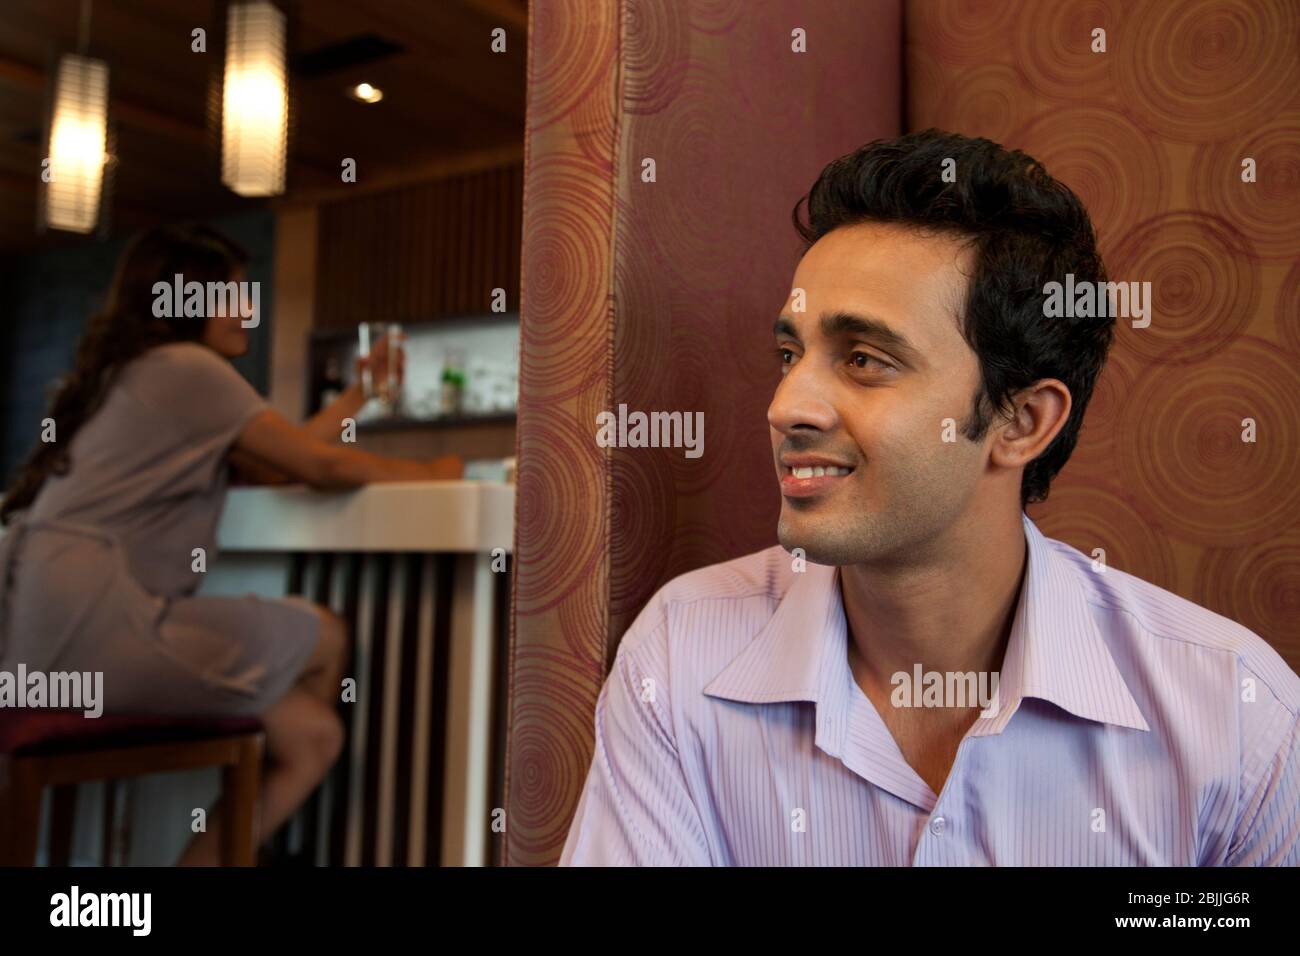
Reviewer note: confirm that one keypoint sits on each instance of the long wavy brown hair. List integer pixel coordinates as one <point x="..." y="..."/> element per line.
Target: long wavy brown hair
<point x="124" y="329"/>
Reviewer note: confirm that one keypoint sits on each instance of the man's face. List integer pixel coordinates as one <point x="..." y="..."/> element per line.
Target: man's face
<point x="871" y="369"/>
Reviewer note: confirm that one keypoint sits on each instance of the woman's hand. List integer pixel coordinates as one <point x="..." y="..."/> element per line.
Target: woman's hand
<point x="275" y="442"/>
<point x="448" y="467"/>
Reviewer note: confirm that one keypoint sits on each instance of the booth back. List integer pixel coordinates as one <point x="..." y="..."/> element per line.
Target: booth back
<point x="1186" y="473"/>
<point x="667" y="144"/>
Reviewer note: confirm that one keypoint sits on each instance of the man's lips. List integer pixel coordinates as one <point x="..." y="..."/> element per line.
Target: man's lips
<point x="806" y="476"/>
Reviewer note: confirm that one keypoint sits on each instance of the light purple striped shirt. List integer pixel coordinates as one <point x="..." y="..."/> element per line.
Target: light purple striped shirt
<point x="1134" y="728"/>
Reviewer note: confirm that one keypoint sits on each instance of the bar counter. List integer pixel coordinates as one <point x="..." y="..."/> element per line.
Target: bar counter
<point x="420" y="570"/>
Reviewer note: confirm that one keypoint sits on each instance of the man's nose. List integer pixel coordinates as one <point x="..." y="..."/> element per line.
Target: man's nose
<point x="802" y="399"/>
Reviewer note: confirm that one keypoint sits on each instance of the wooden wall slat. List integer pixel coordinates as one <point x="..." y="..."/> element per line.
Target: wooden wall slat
<point x="422" y="251"/>
<point x="455" y="247"/>
<point x="438" y="252"/>
<point x="479" y="225"/>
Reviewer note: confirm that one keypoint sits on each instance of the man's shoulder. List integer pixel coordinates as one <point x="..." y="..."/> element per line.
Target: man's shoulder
<point x="765" y="573"/>
<point x="1170" y="623"/>
<point x="761" y="576"/>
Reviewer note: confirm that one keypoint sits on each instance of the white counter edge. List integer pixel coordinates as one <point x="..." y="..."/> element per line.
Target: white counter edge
<point x="425" y="516"/>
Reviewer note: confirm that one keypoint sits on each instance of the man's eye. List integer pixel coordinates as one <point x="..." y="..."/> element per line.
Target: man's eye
<point x="866" y="360"/>
<point x="784" y="354"/>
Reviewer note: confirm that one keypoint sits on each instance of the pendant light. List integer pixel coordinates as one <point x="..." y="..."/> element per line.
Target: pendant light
<point x="255" y="100"/>
<point x="74" y="180"/>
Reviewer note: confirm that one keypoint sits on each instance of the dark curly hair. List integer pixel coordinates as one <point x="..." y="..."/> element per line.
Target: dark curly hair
<point x="1026" y="229"/>
<point x="123" y="329"/>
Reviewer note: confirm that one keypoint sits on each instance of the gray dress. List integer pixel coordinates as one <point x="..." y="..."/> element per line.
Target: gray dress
<point x="98" y="574"/>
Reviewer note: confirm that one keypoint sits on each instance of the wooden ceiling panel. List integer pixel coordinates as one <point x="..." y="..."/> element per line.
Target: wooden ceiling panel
<point x="445" y="95"/>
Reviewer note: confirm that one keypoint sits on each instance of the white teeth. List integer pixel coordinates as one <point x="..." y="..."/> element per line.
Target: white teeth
<point x="819" y="471"/>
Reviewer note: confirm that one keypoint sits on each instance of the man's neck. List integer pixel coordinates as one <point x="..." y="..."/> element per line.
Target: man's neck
<point x="952" y="613"/>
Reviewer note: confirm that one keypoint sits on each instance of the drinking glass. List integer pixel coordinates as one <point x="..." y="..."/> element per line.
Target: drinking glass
<point x="380" y="340"/>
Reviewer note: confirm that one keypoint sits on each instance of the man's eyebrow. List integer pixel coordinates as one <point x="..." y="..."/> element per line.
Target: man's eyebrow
<point x="839" y="323"/>
<point x="784" y="326"/>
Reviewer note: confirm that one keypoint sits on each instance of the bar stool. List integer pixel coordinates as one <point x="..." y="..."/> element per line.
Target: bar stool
<point x="61" y="748"/>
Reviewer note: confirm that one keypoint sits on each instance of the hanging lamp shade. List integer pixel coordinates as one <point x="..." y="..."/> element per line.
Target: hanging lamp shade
<point x="77" y="151"/>
<point x="255" y="100"/>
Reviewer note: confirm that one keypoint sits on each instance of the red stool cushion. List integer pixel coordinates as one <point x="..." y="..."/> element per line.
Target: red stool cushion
<point x="24" y="732"/>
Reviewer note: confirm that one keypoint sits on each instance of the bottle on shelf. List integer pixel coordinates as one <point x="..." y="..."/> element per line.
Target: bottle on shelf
<point x="332" y="384"/>
<point x="453" y="383"/>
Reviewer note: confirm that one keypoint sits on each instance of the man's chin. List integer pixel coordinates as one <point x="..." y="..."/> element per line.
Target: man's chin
<point x="819" y="548"/>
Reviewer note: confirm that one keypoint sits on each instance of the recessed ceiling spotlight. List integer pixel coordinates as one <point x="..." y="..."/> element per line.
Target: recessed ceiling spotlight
<point x="366" y="93"/>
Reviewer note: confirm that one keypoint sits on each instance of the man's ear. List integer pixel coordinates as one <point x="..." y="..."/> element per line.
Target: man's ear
<point x="1038" y="414"/>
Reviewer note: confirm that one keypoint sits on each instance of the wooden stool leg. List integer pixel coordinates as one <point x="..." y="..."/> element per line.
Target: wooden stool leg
<point x="63" y="818"/>
<point x="241" y="786"/>
<point x="20" y="815"/>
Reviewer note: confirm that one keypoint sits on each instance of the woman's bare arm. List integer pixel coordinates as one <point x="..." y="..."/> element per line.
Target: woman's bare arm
<point x="248" y="470"/>
<point x="327" y="424"/>
<point x="270" y="441"/>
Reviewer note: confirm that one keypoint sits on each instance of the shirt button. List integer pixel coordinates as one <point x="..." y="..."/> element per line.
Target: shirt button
<point x="936" y="826"/>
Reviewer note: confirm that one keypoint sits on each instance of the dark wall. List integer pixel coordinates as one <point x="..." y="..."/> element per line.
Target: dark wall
<point x="48" y="297"/>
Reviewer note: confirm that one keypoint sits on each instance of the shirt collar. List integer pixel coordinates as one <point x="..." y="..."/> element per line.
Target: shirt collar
<point x="1055" y="651"/>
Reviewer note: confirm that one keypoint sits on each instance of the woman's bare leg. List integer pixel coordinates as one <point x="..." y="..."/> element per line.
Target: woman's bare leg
<point x="323" y="674"/>
<point x="304" y="736"/>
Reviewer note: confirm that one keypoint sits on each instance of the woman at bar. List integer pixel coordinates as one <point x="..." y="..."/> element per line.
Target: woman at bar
<point x="113" y="516"/>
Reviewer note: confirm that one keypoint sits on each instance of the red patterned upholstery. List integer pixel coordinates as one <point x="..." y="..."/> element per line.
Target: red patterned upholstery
<point x="1151" y="135"/>
<point x="661" y="296"/>
<point x="650" y="294"/>
<point x="30" y="732"/>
